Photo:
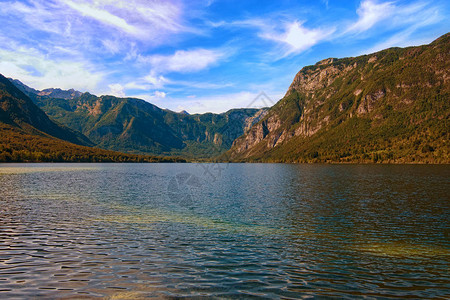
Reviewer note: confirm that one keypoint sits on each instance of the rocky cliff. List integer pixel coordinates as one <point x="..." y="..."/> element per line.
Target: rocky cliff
<point x="390" y="106"/>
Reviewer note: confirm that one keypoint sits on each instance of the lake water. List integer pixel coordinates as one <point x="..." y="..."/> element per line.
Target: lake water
<point x="130" y="231"/>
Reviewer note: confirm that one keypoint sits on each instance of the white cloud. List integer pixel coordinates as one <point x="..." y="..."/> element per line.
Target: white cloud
<point x="38" y="16"/>
<point x="297" y="37"/>
<point x="201" y="84"/>
<point x="156" y="81"/>
<point x="184" y="61"/>
<point x="370" y="13"/>
<point x="415" y="14"/>
<point x="137" y="85"/>
<point x="293" y="37"/>
<point x="163" y="14"/>
<point x="153" y="81"/>
<point x="112" y="46"/>
<point x="149" y="21"/>
<point x="410" y="18"/>
<point x="403" y="38"/>
<point x="36" y="70"/>
<point x="159" y="94"/>
<point x="217" y="103"/>
<point x="102" y="16"/>
<point x="70" y="40"/>
<point x="117" y="90"/>
<point x="157" y="98"/>
<point x="399" y="40"/>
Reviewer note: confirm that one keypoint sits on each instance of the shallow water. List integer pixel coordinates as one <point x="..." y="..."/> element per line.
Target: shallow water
<point x="130" y="231"/>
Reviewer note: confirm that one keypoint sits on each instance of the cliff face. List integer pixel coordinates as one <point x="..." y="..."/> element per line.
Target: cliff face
<point x="392" y="105"/>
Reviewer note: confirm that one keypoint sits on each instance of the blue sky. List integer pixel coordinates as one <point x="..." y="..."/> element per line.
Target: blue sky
<point x="199" y="56"/>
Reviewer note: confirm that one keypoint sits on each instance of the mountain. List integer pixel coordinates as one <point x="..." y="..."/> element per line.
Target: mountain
<point x="389" y="106"/>
<point x="51" y="92"/>
<point x="61" y="94"/>
<point x="17" y="110"/>
<point x="136" y="126"/>
<point x="17" y="145"/>
<point x="23" y="87"/>
<point x="28" y="135"/>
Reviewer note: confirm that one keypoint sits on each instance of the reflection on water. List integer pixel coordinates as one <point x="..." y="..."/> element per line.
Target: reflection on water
<point x="38" y="169"/>
<point x="149" y="216"/>
<point x="405" y="250"/>
<point x="130" y="231"/>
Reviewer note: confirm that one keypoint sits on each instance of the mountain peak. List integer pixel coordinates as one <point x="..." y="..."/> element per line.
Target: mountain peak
<point x="50" y="92"/>
<point x="325" y="61"/>
<point x="60" y="94"/>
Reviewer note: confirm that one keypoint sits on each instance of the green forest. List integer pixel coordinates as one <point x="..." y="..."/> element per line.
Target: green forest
<point x="17" y="146"/>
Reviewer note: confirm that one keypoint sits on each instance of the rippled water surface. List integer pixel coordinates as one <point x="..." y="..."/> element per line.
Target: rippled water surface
<point x="130" y="231"/>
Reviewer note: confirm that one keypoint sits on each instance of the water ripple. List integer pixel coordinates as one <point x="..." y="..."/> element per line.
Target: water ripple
<point x="113" y="231"/>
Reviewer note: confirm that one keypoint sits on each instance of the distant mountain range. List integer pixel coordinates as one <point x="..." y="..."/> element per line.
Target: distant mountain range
<point x="136" y="126"/>
<point x="52" y="93"/>
<point x="390" y="106"/>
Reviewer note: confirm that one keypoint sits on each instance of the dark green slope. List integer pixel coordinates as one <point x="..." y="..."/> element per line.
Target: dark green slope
<point x="114" y="123"/>
<point x="389" y="106"/>
<point x="17" y="110"/>
<point x="17" y="145"/>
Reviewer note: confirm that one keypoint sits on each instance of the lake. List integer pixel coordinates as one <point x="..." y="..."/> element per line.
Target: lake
<point x="130" y="231"/>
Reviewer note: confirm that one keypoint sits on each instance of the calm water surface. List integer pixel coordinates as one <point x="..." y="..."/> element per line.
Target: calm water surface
<point x="224" y="230"/>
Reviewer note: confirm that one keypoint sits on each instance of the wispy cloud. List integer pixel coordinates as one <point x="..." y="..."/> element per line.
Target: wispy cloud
<point x="218" y="103"/>
<point x="102" y="16"/>
<point x="117" y="90"/>
<point x="159" y="94"/>
<point x="405" y="37"/>
<point x="37" y="15"/>
<point x="393" y="15"/>
<point x="146" y="20"/>
<point x="85" y="22"/>
<point x="36" y="70"/>
<point x="409" y="19"/>
<point x="155" y="81"/>
<point x="296" y="37"/>
<point x="160" y="86"/>
<point x="184" y="61"/>
<point x="156" y="97"/>
<point x="402" y="39"/>
<point x="370" y="13"/>
<point x="291" y="37"/>
<point x="202" y="84"/>
<point x="204" y="52"/>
